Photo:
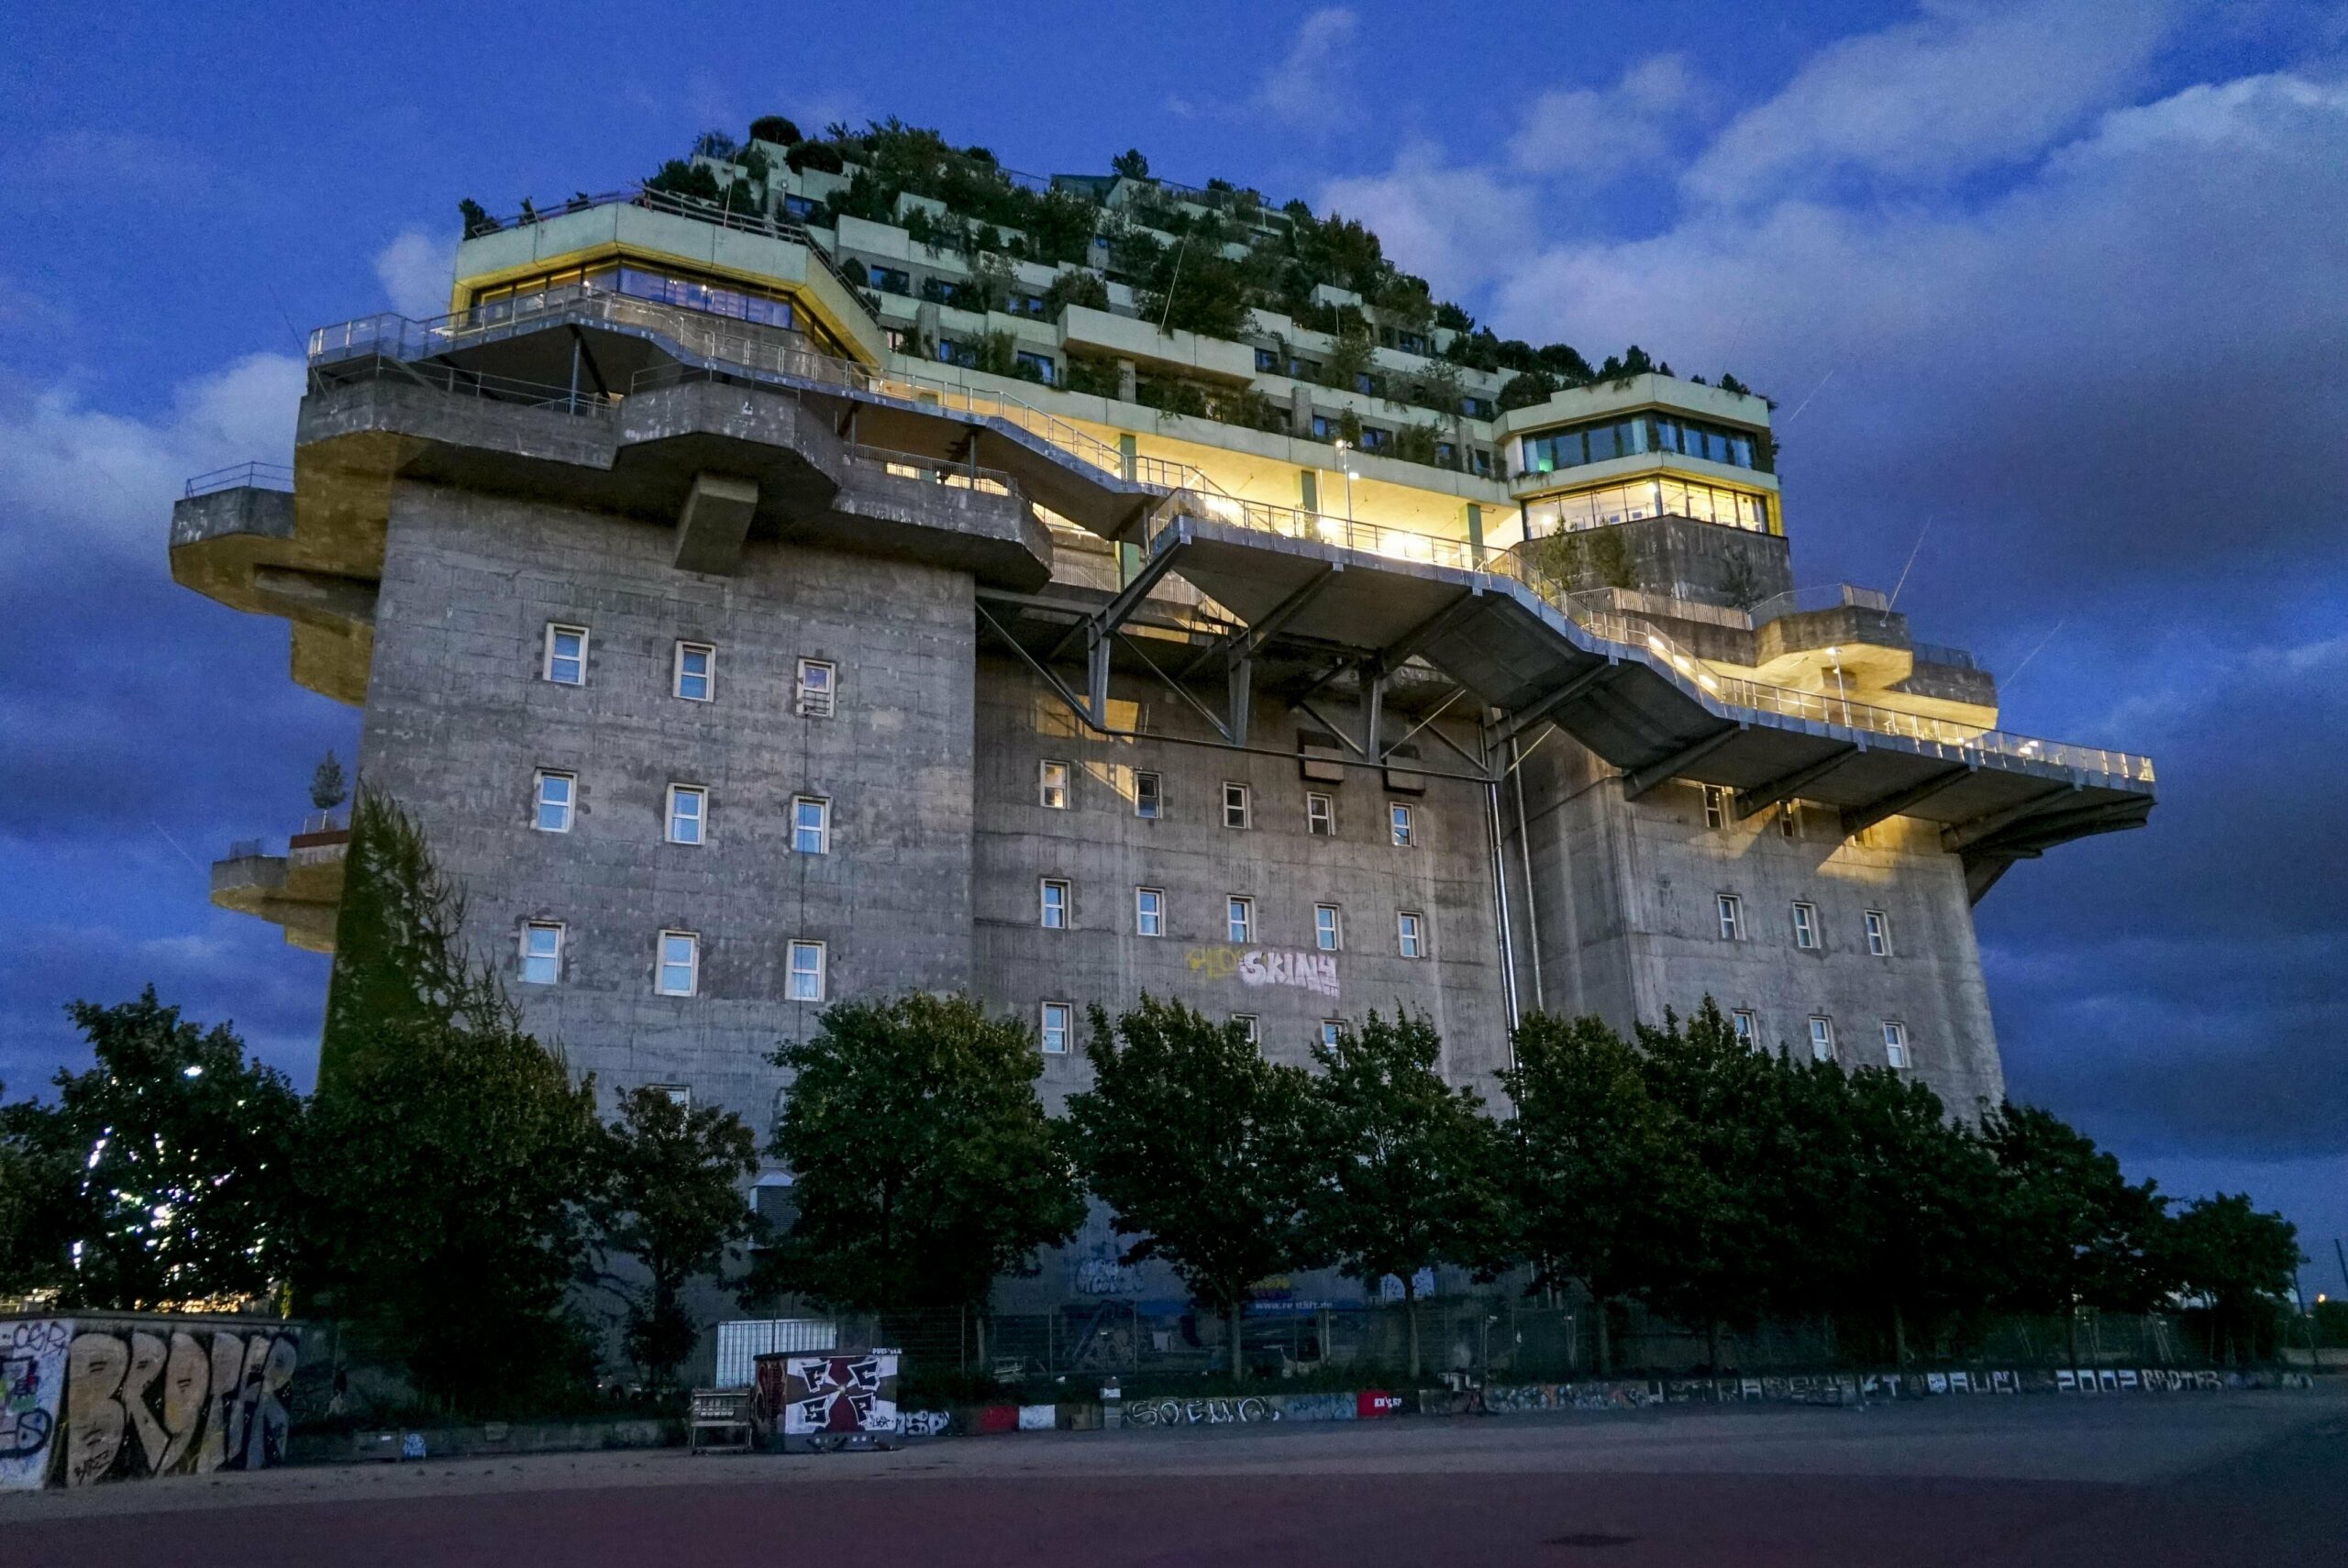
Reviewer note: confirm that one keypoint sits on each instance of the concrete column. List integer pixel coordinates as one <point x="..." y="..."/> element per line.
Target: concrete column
<point x="1128" y="383"/>
<point x="1476" y="533"/>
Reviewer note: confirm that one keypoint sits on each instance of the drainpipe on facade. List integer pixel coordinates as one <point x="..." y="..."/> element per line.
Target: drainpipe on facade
<point x="1499" y="895"/>
<point x="1525" y="858"/>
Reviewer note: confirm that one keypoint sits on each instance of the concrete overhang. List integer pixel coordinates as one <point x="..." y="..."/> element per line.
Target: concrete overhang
<point x="300" y="890"/>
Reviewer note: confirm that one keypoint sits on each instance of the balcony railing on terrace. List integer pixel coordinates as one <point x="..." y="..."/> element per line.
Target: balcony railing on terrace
<point x="241" y="476"/>
<point x="1644" y="637"/>
<point x="722" y="215"/>
<point x="1824" y="596"/>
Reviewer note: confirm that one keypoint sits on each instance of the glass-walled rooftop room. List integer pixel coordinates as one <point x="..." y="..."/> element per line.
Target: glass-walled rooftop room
<point x="1639" y="499"/>
<point x="1572" y="446"/>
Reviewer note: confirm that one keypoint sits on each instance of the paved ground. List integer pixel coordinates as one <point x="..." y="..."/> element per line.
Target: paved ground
<point x="2217" y="1479"/>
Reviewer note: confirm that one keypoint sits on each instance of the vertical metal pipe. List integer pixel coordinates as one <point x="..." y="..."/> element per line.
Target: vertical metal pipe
<point x="1524" y="859"/>
<point x="1500" y="893"/>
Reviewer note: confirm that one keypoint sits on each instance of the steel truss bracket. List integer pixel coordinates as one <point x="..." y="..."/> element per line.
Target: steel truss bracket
<point x="1858" y="819"/>
<point x="1644" y="782"/>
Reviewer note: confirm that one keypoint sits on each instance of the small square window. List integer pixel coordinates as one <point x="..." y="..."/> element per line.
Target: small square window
<point x="1235" y="805"/>
<point x="1149" y="911"/>
<point x="1894" y="1045"/>
<point x="1715" y="807"/>
<point x="557" y="794"/>
<point x="1333" y="1032"/>
<point x="696" y="672"/>
<point x="1790" y="820"/>
<point x="1055" y="905"/>
<point x="679" y="963"/>
<point x="1806" y="925"/>
<point x="1320" y="815"/>
<point x="818" y="689"/>
<point x="1326" y="930"/>
<point x="811" y="825"/>
<point x="1149" y="800"/>
<point x="1822" y="1039"/>
<point x="1748" y="1028"/>
<point x="1410" y="934"/>
<point x="1250" y="1027"/>
<point x="566" y="660"/>
<point x="1059" y="1023"/>
<point x="688" y="813"/>
<point x="1051" y="785"/>
<point x="806" y="982"/>
<point x="1731" y="912"/>
<point x="1398" y="817"/>
<point x="678" y="1095"/>
<point x="542" y="952"/>
<point x="1239" y="920"/>
<point x="1878" y="935"/>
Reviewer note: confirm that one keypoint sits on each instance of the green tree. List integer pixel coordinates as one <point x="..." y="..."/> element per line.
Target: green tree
<point x="400" y="955"/>
<point x="668" y="1194"/>
<point x="443" y="1171"/>
<point x="1196" y="1144"/>
<point x="2072" y="1232"/>
<point x="921" y="1163"/>
<point x="163" y="1171"/>
<point x="2239" y="1261"/>
<point x="1131" y="164"/>
<point x="1406" y="1170"/>
<point x="328" y="788"/>
<point x="1602" y="1167"/>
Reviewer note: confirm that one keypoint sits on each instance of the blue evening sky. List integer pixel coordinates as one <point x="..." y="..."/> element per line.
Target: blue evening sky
<point x="2057" y="286"/>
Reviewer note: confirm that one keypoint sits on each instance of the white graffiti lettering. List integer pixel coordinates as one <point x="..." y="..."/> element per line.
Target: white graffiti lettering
<point x="1314" y="972"/>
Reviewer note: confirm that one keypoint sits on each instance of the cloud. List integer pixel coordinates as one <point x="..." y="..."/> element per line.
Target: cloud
<point x="1608" y="131"/>
<point x="1967" y="87"/>
<point x="417" y="270"/>
<point x="1459" y="228"/>
<point x="1314" y="87"/>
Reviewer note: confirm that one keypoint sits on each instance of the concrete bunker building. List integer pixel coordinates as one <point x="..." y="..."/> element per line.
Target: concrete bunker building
<point x="759" y="604"/>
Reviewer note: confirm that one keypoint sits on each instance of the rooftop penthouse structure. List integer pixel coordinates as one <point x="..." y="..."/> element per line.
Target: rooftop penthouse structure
<point x="842" y="566"/>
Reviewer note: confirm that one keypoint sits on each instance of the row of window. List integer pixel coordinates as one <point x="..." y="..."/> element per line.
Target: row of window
<point x="1646" y="498"/>
<point x="1641" y="432"/>
<point x="1821" y="1036"/>
<point x="676" y="962"/>
<point x="692" y="671"/>
<point x="555" y="806"/>
<point x="1054" y="776"/>
<point x="740" y="301"/>
<point x="1731" y="908"/>
<point x="1056" y="906"/>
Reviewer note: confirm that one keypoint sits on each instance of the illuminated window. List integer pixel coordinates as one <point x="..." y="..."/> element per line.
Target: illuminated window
<point x="557" y="794"/>
<point x="566" y="657"/>
<point x="542" y="952"/>
<point x="1324" y="927"/>
<point x="696" y="672"/>
<point x="806" y="982"/>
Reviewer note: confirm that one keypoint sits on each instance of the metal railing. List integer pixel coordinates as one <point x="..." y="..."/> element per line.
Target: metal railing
<point x="242" y="476"/>
<point x="243" y="849"/>
<point x="953" y="476"/>
<point x="1824" y="596"/>
<point x="460" y="383"/>
<point x="1941" y="653"/>
<point x="723" y="214"/>
<point x="1658" y="649"/>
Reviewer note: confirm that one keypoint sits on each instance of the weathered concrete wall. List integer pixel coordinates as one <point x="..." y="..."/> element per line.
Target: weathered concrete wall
<point x="458" y="721"/>
<point x="1629" y="924"/>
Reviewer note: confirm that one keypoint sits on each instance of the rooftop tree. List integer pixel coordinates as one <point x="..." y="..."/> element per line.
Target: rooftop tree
<point x="1197" y="1144"/>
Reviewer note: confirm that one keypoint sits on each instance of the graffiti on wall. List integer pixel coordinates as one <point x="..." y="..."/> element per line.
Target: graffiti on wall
<point x="1199" y="1412"/>
<point x="144" y="1399"/>
<point x="1314" y="972"/>
<point x="830" y="1402"/>
<point x="32" y="1382"/>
